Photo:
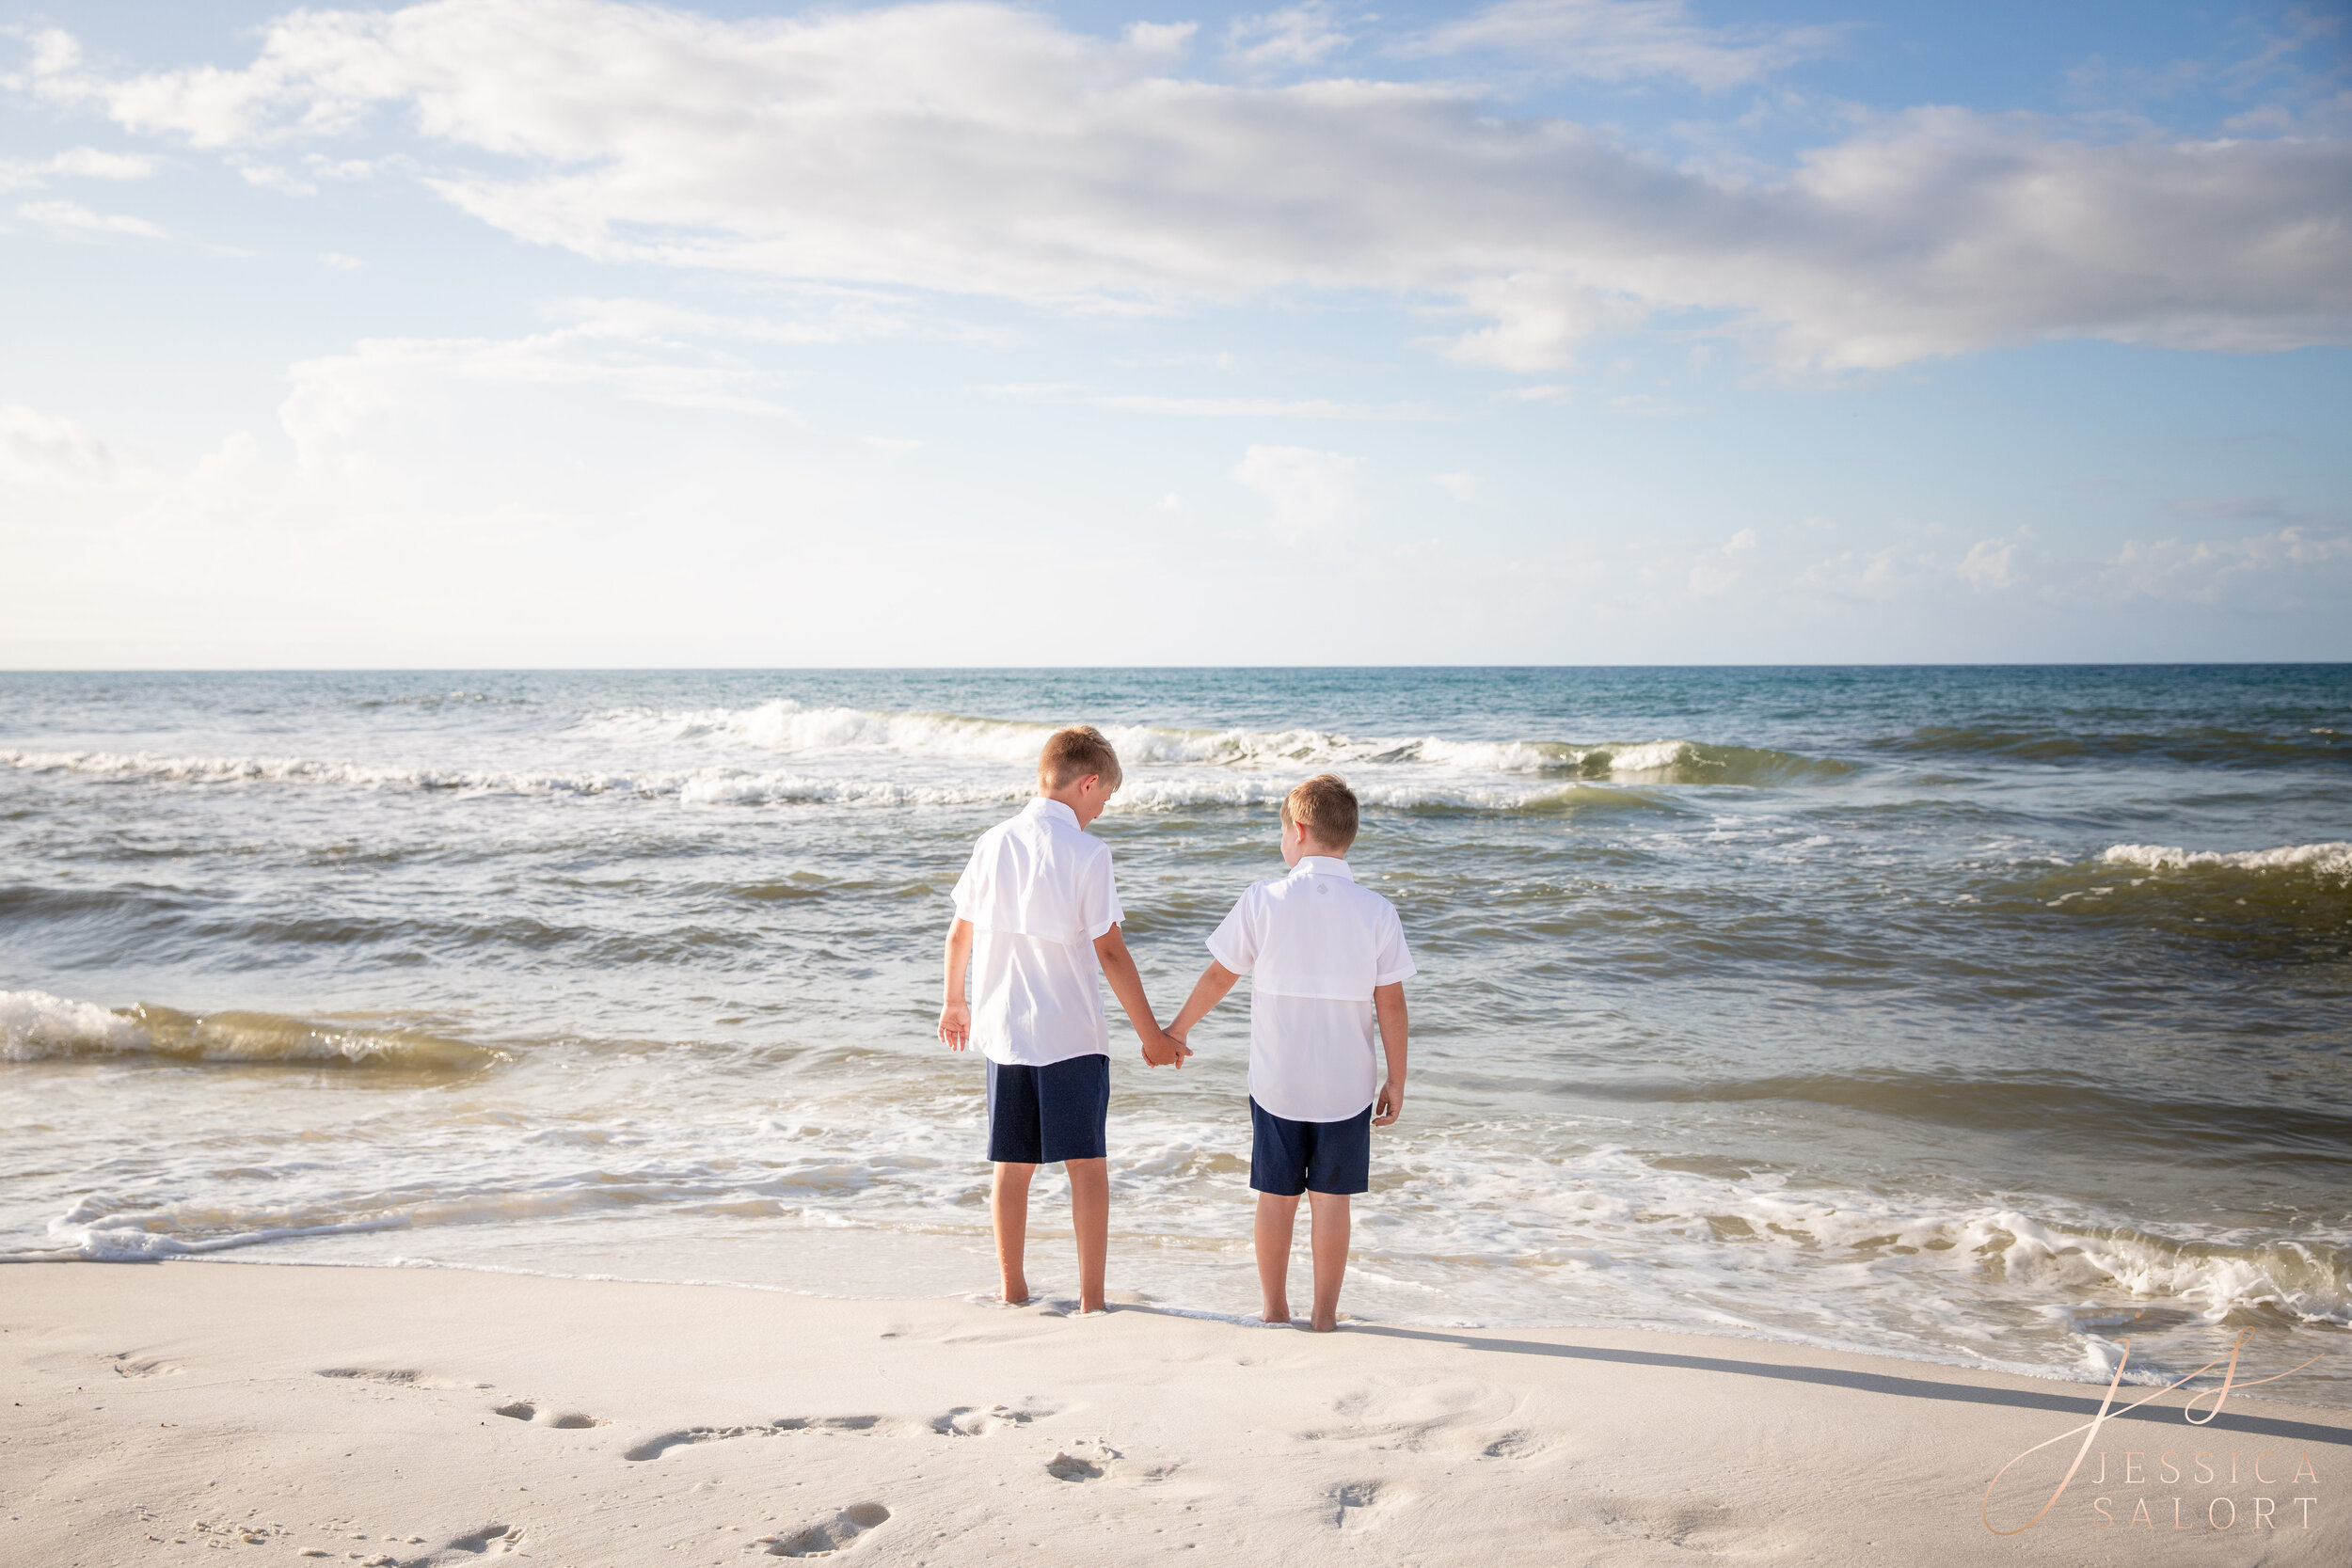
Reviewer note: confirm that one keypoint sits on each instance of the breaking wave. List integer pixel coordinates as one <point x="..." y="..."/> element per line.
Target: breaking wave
<point x="2323" y="862"/>
<point x="36" y="1026"/>
<point x="723" y="786"/>
<point x="2293" y="902"/>
<point x="788" y="727"/>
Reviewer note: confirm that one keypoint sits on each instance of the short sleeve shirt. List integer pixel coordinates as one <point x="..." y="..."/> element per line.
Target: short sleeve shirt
<point x="1038" y="891"/>
<point x="1314" y="945"/>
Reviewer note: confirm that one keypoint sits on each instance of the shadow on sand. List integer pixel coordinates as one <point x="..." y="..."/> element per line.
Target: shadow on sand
<point x="1884" y="1383"/>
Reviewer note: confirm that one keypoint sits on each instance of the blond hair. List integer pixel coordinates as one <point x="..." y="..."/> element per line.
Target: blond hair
<point x="1071" y="755"/>
<point x="1324" y="808"/>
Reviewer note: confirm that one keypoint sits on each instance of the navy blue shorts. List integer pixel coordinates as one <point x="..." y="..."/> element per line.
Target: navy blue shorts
<point x="1287" y="1157"/>
<point x="1040" y="1115"/>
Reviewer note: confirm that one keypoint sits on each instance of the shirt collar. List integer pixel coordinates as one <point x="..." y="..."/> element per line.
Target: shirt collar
<point x="1322" y="865"/>
<point x="1044" y="807"/>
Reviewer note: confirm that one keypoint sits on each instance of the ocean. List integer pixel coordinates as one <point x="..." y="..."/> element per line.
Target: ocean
<point x="1988" y="1016"/>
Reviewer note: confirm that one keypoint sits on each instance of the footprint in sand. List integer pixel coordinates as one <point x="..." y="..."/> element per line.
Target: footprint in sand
<point x="654" y="1447"/>
<point x="504" y="1537"/>
<point x="966" y="1421"/>
<point x="131" y="1364"/>
<point x="1360" y="1505"/>
<point x="823" y="1540"/>
<point x="1513" y="1445"/>
<point x="568" y="1421"/>
<point x="398" y="1377"/>
<point x="1082" y="1460"/>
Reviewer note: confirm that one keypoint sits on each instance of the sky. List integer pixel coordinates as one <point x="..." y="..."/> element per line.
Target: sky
<point x="498" y="333"/>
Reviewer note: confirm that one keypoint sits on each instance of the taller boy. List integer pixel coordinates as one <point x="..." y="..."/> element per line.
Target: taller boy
<point x="1036" y="918"/>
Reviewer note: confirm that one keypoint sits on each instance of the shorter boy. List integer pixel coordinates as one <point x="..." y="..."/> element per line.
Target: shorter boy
<point x="1327" y="959"/>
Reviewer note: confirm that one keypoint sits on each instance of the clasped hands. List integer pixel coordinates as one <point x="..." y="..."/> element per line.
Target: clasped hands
<point x="1167" y="1051"/>
<point x="1161" y="1050"/>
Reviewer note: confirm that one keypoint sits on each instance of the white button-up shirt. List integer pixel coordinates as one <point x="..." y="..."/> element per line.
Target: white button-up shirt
<point x="1314" y="945"/>
<point x="1038" y="891"/>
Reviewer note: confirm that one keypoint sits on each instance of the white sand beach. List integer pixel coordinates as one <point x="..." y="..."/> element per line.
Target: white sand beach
<point x="169" y="1413"/>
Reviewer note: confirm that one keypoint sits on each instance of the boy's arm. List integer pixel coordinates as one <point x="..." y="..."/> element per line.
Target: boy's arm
<point x="1118" y="968"/>
<point x="1207" y="992"/>
<point x="1388" y="1004"/>
<point x="955" y="1014"/>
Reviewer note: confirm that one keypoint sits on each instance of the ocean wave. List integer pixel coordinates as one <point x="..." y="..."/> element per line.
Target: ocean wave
<point x="439" y="699"/>
<point x="788" y="727"/>
<point x="2308" y="1282"/>
<point x="2331" y="862"/>
<point x="1627" y="1219"/>
<point x="736" y="787"/>
<point x="2292" y="903"/>
<point x="2197" y="746"/>
<point x="2216" y="1130"/>
<point x="36" y="1026"/>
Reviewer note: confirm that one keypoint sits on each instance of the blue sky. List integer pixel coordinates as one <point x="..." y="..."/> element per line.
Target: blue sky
<point x="543" y="332"/>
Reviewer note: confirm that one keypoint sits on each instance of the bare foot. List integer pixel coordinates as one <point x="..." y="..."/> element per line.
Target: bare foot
<point x="1323" y="1325"/>
<point x="1276" y="1312"/>
<point x="1015" y="1293"/>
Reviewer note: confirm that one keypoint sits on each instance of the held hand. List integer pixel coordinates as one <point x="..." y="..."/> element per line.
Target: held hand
<point x="1390" y="1101"/>
<point x="1167" y="1051"/>
<point x="955" y="1024"/>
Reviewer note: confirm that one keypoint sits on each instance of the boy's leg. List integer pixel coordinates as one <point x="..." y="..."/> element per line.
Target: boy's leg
<point x="1090" y="1216"/>
<point x="1331" y="1216"/>
<point x="1008" y="1207"/>
<point x="1277" y="1214"/>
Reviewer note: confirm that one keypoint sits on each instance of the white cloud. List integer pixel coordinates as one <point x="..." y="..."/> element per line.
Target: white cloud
<point x="1280" y="408"/>
<point x="1992" y="563"/>
<point x="2202" y="571"/>
<point x="38" y="449"/>
<point x="1538" y="319"/>
<point x="78" y="162"/>
<point x="1714" y="573"/>
<point x="338" y="398"/>
<point x="1648" y="405"/>
<point x="976" y="148"/>
<point x="1294" y="38"/>
<point x="1462" y="487"/>
<point x="1616" y="40"/>
<point x="1211" y="408"/>
<point x="1311" y="494"/>
<point x="1863" y="575"/>
<point x="73" y="217"/>
<point x="270" y="177"/>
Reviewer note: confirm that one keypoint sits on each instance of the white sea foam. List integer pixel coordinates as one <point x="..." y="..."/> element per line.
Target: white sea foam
<point x="2331" y="860"/>
<point x="35" y="1024"/>
<point x="1480" y="1217"/>
<point x="721" y="786"/>
<point x="786" y="727"/>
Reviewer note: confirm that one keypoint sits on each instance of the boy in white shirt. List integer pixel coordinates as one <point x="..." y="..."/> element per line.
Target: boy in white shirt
<point x="1329" y="959"/>
<point x="1036" y="919"/>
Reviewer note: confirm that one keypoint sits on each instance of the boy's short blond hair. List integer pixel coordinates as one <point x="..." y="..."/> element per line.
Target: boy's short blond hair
<point x="1073" y="753"/>
<point x="1325" y="808"/>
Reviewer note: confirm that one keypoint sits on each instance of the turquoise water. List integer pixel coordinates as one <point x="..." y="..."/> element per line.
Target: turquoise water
<point x="1978" y="1015"/>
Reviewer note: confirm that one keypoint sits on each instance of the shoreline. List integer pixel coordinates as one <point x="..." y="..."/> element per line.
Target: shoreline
<point x="1159" y="1305"/>
<point x="432" y="1414"/>
<point x="1210" y="1315"/>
